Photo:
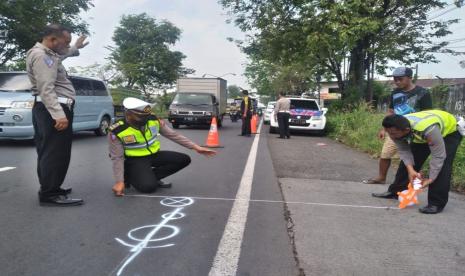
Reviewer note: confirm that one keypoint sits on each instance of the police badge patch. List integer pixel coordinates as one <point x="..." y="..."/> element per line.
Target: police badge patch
<point x="49" y="61"/>
<point x="130" y="139"/>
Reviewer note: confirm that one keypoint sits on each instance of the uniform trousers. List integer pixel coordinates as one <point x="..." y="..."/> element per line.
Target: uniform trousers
<point x="438" y="191"/>
<point x="283" y="124"/>
<point x="53" y="149"/>
<point x="246" y="124"/>
<point x="143" y="173"/>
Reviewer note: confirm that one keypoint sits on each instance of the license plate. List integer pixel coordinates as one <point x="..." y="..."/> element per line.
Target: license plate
<point x="298" y="121"/>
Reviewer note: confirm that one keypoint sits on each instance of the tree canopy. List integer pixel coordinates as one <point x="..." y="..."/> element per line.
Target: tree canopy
<point x="142" y="53"/>
<point x="21" y="22"/>
<point x="320" y="36"/>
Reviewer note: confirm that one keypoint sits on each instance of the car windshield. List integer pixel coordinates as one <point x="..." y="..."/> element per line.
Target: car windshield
<point x="303" y="104"/>
<point x="14" y="82"/>
<point x="193" y="99"/>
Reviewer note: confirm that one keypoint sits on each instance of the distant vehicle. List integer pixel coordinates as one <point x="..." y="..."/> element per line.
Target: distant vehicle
<point x="306" y="115"/>
<point x="197" y="101"/>
<point x="268" y="110"/>
<point x="93" y="109"/>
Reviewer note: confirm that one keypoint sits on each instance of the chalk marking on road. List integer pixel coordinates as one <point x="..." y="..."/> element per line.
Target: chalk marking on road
<point x="145" y="243"/>
<point x="229" y="249"/>
<point x="275" y="201"/>
<point x="4" y="169"/>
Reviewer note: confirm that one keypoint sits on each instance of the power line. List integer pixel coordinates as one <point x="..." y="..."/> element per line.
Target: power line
<point x="443" y="13"/>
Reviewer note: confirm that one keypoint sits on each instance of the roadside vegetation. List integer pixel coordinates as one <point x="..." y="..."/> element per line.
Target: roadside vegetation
<point x="357" y="126"/>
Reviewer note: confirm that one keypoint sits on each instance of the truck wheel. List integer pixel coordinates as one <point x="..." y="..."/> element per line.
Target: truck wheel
<point x="176" y="126"/>
<point x="103" y="127"/>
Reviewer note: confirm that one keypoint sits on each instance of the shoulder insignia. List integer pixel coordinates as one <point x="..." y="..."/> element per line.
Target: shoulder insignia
<point x="48" y="61"/>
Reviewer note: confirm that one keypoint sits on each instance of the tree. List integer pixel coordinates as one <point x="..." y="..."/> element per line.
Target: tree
<point x="234" y="91"/>
<point x="21" y="22"/>
<point x="142" y="53"/>
<point x="321" y="35"/>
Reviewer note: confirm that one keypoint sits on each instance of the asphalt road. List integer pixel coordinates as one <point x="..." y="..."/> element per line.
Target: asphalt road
<point x="262" y="206"/>
<point x="181" y="226"/>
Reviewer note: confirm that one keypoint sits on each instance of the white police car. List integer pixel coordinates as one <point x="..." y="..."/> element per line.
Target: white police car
<point x="306" y="115"/>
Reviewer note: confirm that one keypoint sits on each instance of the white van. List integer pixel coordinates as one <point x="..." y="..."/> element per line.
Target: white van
<point x="93" y="109"/>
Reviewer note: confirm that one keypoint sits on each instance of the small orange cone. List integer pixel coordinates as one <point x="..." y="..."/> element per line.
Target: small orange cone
<point x="253" y="124"/>
<point x="213" y="139"/>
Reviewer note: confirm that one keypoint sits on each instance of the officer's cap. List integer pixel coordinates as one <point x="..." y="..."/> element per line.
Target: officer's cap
<point x="137" y="105"/>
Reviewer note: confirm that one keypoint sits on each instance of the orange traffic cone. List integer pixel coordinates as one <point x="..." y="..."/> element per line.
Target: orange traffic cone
<point x="213" y="139"/>
<point x="253" y="124"/>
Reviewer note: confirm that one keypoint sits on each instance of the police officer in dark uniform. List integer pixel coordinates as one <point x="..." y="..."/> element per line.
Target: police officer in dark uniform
<point x="136" y="153"/>
<point x="246" y="113"/>
<point x="52" y="114"/>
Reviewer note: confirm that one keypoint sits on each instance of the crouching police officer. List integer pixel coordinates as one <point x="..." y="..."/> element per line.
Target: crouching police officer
<point x="135" y="149"/>
<point x="417" y="135"/>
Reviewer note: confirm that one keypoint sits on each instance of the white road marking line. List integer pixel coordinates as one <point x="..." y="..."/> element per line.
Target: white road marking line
<point x="277" y="201"/>
<point x="229" y="249"/>
<point x="4" y="169"/>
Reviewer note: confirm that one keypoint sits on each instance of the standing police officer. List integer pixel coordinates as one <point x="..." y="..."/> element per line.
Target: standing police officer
<point x="282" y="115"/>
<point x="417" y="135"/>
<point x="246" y="113"/>
<point x="52" y="114"/>
<point x="135" y="149"/>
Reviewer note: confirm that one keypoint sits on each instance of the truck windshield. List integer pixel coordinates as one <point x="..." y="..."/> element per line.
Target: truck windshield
<point x="193" y="99"/>
<point x="14" y="82"/>
<point x="303" y="104"/>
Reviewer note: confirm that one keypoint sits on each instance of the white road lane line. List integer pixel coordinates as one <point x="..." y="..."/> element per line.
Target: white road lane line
<point x="4" y="169"/>
<point x="277" y="201"/>
<point x="229" y="249"/>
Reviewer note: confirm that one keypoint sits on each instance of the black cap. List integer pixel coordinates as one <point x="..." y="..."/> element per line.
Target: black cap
<point x="245" y="92"/>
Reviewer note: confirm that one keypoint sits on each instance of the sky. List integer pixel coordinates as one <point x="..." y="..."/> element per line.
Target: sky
<point x="204" y="37"/>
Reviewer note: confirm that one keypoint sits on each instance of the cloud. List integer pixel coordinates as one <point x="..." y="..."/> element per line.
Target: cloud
<point x="203" y="38"/>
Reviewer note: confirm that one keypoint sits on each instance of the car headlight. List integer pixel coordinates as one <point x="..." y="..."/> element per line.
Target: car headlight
<point x="24" y="104"/>
<point x="208" y="113"/>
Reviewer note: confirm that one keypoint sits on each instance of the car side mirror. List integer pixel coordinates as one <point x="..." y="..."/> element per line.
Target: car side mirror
<point x="325" y="110"/>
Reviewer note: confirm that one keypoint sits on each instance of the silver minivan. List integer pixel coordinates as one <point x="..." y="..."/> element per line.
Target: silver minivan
<point x="93" y="109"/>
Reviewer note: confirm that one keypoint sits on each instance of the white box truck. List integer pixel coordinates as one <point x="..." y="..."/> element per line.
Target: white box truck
<point x="197" y="101"/>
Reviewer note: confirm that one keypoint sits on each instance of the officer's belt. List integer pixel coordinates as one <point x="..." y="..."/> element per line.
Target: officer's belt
<point x="63" y="100"/>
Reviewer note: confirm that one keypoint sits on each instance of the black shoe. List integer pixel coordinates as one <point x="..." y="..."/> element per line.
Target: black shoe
<point x="60" y="200"/>
<point x="162" y="184"/>
<point x="288" y="137"/>
<point x="430" y="209"/>
<point x="385" y="195"/>
<point x="65" y="191"/>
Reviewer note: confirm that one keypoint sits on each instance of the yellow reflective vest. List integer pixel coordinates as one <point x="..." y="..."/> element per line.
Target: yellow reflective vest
<point x="136" y="143"/>
<point x="421" y="121"/>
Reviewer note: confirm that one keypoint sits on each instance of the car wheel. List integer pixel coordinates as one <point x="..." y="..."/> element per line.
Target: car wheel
<point x="272" y="129"/>
<point x="176" y="126"/>
<point x="102" y="129"/>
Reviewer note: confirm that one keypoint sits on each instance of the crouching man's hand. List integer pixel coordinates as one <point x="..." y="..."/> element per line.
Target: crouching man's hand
<point x="118" y="189"/>
<point x="204" y="151"/>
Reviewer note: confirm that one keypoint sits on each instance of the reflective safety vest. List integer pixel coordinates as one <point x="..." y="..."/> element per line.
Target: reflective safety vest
<point x="421" y="121"/>
<point x="136" y="143"/>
